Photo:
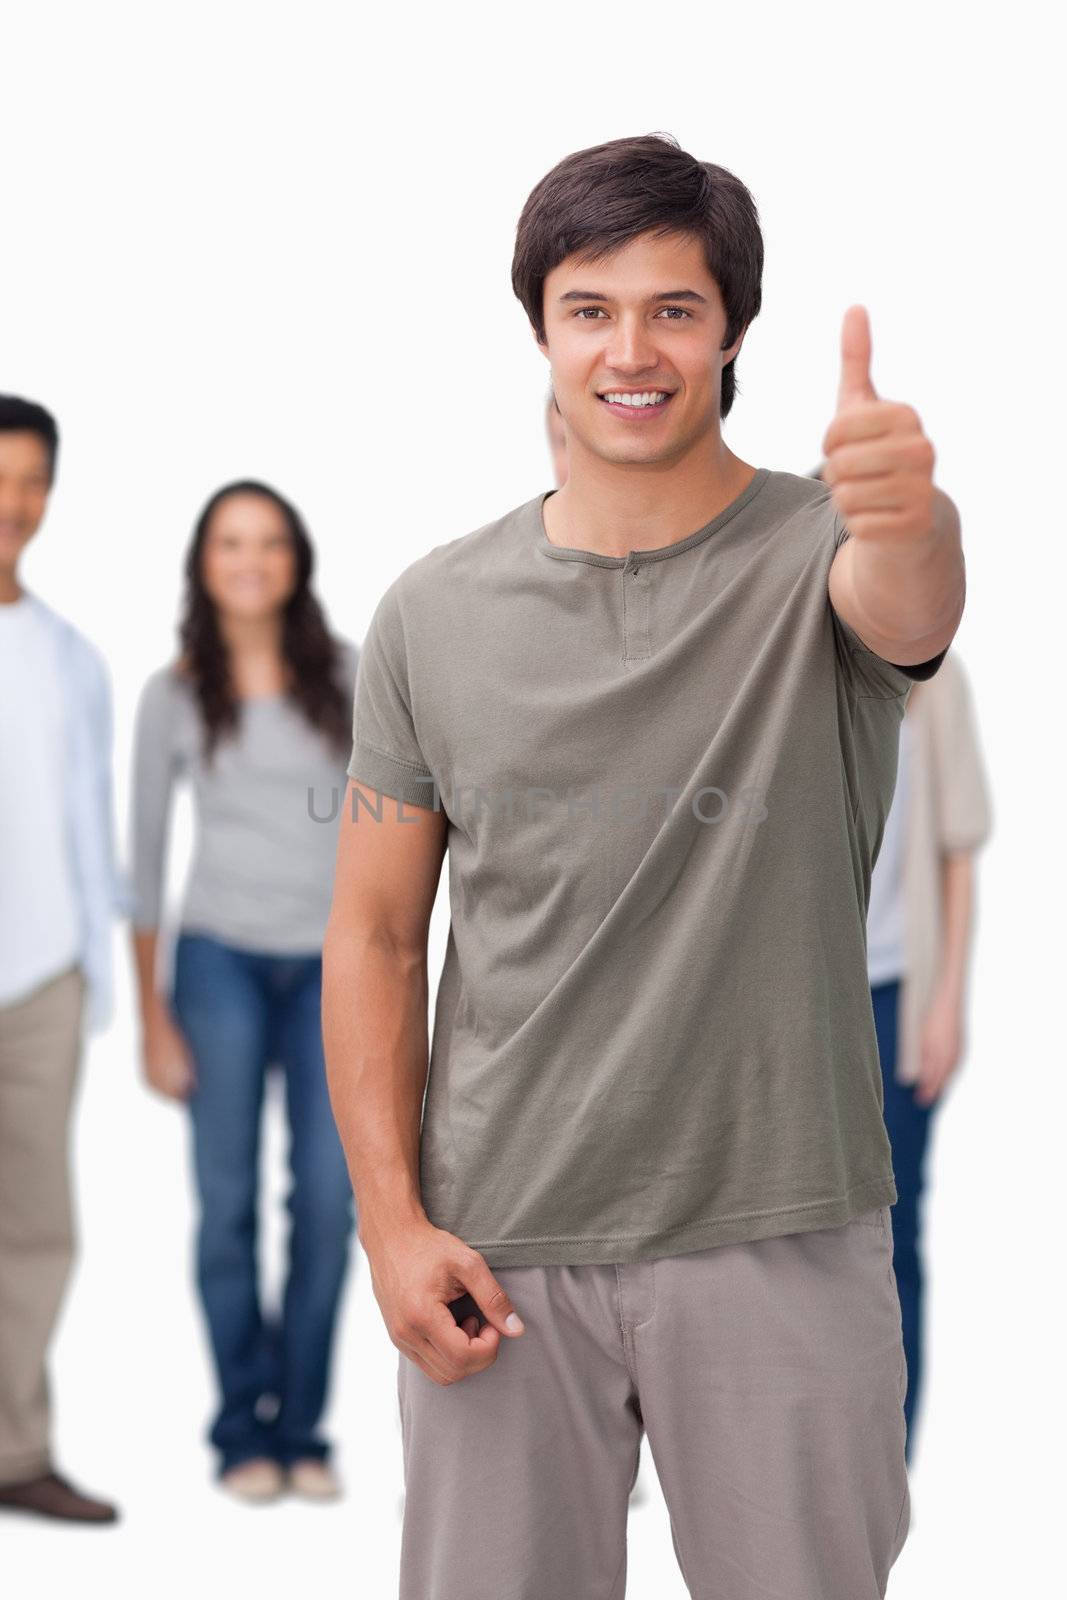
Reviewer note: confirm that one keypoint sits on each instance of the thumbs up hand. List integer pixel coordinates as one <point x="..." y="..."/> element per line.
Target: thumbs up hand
<point x="878" y="462"/>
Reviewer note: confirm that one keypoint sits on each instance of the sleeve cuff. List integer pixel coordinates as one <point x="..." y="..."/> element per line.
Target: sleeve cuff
<point x="388" y="775"/>
<point x="876" y="674"/>
<point x="924" y="669"/>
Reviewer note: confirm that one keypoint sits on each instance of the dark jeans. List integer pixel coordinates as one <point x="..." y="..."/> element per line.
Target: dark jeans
<point x="908" y="1126"/>
<point x="241" y="1012"/>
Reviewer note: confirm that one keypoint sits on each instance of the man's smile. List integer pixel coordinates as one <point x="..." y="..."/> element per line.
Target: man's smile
<point x="633" y="404"/>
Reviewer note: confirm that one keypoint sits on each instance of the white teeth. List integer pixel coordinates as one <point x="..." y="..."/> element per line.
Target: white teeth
<point x="651" y="398"/>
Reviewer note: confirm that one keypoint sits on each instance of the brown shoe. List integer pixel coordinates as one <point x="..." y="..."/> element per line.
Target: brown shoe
<point x="51" y="1496"/>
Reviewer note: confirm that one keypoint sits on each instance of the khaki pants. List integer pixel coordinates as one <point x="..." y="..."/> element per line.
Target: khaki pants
<point x="769" y="1378"/>
<point x="40" y="1047"/>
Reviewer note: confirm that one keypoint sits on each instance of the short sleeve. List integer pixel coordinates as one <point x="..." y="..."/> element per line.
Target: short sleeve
<point x="385" y="748"/>
<point x="155" y="770"/>
<point x="867" y="673"/>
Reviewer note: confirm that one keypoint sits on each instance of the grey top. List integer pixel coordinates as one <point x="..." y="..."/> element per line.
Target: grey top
<point x="666" y="777"/>
<point x="266" y="812"/>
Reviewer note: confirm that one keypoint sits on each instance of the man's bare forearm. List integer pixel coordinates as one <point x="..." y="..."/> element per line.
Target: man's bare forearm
<point x="910" y="594"/>
<point x="957" y="901"/>
<point x="375" y="1035"/>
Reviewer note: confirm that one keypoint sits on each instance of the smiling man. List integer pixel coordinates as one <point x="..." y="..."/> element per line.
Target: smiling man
<point x="649" y="1188"/>
<point x="59" y="893"/>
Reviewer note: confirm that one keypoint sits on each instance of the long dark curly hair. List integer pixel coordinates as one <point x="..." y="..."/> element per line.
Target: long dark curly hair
<point x="311" y="655"/>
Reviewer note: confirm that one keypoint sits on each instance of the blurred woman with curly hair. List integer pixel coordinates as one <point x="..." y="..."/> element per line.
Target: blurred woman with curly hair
<point x="256" y="714"/>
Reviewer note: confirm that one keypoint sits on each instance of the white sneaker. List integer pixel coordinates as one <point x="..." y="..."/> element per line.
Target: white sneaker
<point x="314" y="1480"/>
<point x="254" y="1481"/>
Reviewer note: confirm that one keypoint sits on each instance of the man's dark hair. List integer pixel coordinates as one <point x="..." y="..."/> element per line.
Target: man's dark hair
<point x="597" y="200"/>
<point x="26" y="416"/>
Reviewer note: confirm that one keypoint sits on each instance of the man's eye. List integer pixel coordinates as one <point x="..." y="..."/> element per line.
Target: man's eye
<point x="673" y="312"/>
<point x="589" y="312"/>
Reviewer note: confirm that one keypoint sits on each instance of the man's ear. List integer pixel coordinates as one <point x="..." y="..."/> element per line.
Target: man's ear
<point x="732" y="353"/>
<point x="542" y="344"/>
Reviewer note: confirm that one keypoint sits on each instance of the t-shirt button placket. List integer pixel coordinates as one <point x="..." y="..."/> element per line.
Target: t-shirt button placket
<point x="635" y="607"/>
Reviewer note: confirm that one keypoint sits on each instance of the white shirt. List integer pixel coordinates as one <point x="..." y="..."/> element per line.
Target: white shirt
<point x="39" y="913"/>
<point x="886" y="958"/>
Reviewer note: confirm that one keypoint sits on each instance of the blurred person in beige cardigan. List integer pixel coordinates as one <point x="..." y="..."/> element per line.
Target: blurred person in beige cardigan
<point x="920" y="924"/>
<point x="919" y="937"/>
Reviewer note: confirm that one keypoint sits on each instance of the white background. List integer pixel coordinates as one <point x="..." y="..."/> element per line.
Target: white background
<point x="275" y="240"/>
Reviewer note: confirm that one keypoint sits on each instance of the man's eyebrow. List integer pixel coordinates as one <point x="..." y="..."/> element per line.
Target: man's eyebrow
<point x="671" y="294"/>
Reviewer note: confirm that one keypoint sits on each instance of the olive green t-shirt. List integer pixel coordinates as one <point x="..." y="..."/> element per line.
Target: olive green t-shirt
<point x="666" y="777"/>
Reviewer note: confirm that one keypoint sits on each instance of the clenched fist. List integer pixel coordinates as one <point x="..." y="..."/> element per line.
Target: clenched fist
<point x="878" y="462"/>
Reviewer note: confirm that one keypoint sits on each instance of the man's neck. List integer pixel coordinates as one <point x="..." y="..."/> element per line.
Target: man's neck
<point x="612" y="509"/>
<point x="10" y="588"/>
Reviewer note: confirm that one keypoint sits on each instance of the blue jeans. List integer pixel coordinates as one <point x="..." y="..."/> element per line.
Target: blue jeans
<point x="908" y="1126"/>
<point x="241" y="1012"/>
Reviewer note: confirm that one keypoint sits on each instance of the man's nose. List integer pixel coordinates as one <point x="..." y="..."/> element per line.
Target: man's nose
<point x="631" y="350"/>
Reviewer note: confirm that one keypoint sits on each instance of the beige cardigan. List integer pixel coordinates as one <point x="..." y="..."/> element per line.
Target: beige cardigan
<point x="948" y="810"/>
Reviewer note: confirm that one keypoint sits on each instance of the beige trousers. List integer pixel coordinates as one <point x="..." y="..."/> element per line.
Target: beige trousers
<point x="40" y="1047"/>
<point x="769" y="1378"/>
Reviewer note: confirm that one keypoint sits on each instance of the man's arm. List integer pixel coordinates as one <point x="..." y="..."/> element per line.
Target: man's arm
<point x="374" y="1016"/>
<point x="899" y="580"/>
<point x="941" y="1043"/>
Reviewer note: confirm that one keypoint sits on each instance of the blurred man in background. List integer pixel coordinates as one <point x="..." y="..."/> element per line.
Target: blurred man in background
<point x="59" y="894"/>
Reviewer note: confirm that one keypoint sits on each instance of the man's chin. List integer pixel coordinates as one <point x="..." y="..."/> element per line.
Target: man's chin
<point x="639" y="453"/>
<point x="12" y="545"/>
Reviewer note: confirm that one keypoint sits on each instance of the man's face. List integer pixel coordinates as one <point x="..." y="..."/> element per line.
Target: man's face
<point x="645" y="321"/>
<point x="24" y="486"/>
